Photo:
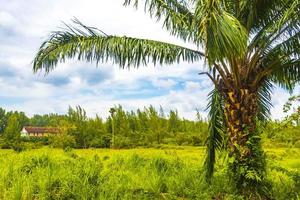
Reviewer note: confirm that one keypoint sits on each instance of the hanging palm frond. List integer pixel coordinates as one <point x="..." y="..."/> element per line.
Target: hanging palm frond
<point x="215" y="140"/>
<point x="264" y="100"/>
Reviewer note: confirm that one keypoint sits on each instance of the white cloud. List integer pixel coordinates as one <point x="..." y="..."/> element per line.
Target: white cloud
<point x="192" y="86"/>
<point x="163" y="83"/>
<point x="6" y="19"/>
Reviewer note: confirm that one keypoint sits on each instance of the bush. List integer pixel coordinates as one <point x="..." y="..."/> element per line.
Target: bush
<point x="122" y="142"/>
<point x="4" y="144"/>
<point x="283" y="185"/>
<point x="197" y="140"/>
<point x="16" y="146"/>
<point x="297" y="144"/>
<point x="35" y="140"/>
<point x="102" y="142"/>
<point x="62" y="141"/>
<point x="180" y="138"/>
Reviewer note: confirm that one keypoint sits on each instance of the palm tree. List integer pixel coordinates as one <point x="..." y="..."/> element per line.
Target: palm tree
<point x="247" y="45"/>
<point x="112" y="115"/>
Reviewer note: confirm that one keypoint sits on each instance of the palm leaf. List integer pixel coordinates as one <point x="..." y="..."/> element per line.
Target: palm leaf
<point x="283" y="25"/>
<point x="176" y="15"/>
<point x="219" y="32"/>
<point x="264" y="100"/>
<point x="215" y="139"/>
<point x="90" y="44"/>
<point x="287" y="74"/>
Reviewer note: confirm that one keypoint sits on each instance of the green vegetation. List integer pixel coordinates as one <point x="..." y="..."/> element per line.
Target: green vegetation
<point x="144" y="128"/>
<point x="249" y="46"/>
<point x="11" y="133"/>
<point x="123" y="129"/>
<point x="167" y="173"/>
<point x="61" y="167"/>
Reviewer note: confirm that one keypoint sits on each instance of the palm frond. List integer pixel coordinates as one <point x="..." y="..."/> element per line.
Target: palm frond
<point x="175" y="14"/>
<point x="264" y="100"/>
<point x="216" y="131"/>
<point x="220" y="33"/>
<point x="277" y="47"/>
<point x="255" y="14"/>
<point x="287" y="74"/>
<point x="289" y="48"/>
<point x="89" y="44"/>
<point x="283" y="25"/>
<point x="283" y="62"/>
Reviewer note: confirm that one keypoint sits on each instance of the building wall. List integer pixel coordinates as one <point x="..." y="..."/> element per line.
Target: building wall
<point x="24" y="133"/>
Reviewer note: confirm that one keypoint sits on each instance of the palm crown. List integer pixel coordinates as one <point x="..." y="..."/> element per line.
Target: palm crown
<point x="248" y="46"/>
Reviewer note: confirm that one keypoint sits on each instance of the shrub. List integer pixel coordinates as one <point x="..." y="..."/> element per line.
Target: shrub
<point x="62" y="141"/>
<point x="297" y="144"/>
<point x="122" y="142"/>
<point x="101" y="142"/>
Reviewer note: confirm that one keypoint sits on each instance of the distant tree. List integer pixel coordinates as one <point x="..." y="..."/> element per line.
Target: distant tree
<point x="154" y="124"/>
<point x="122" y="126"/>
<point x="143" y="120"/>
<point x="3" y="120"/>
<point x="161" y="112"/>
<point x="79" y="119"/>
<point x="198" y="116"/>
<point x="66" y="127"/>
<point x="163" y="124"/>
<point x="200" y="123"/>
<point x="108" y="125"/>
<point x="293" y="103"/>
<point x="174" y="122"/>
<point x="133" y="122"/>
<point x="21" y="116"/>
<point x="12" y="133"/>
<point x="40" y="120"/>
<point x="97" y="136"/>
<point x="112" y="112"/>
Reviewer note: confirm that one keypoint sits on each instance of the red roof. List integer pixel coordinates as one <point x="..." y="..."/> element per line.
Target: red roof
<point x="33" y="129"/>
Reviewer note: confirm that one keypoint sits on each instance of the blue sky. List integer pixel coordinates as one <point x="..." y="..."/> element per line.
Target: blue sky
<point x="25" y="24"/>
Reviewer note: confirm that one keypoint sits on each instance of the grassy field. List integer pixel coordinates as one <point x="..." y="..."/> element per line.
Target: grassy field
<point x="166" y="173"/>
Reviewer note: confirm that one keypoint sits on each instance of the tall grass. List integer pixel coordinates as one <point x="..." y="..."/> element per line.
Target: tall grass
<point x="130" y="174"/>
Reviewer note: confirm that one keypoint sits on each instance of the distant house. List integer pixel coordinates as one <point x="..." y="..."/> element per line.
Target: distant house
<point x="31" y="131"/>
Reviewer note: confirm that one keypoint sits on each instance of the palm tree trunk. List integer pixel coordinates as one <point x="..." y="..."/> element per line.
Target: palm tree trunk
<point x="246" y="158"/>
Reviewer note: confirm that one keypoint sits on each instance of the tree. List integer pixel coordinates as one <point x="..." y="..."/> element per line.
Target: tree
<point x="248" y="47"/>
<point x="154" y="124"/>
<point x="174" y="122"/>
<point x="295" y="116"/>
<point x="112" y="112"/>
<point x="3" y="120"/>
<point x="12" y="131"/>
<point x="79" y="119"/>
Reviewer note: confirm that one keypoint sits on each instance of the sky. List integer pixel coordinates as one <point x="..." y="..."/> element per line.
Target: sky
<point x="24" y="25"/>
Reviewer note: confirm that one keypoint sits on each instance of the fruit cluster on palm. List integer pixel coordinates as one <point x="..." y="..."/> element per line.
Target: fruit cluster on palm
<point x="247" y="45"/>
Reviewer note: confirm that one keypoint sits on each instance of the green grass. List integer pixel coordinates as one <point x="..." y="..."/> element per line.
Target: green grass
<point x="167" y="173"/>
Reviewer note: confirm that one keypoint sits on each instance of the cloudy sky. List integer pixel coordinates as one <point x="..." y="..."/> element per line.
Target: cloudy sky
<point x="25" y="24"/>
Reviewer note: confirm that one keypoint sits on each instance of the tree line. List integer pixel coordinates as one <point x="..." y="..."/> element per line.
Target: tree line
<point x="121" y="129"/>
<point x="147" y="127"/>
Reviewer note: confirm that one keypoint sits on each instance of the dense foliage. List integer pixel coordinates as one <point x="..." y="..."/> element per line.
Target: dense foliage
<point x="122" y="129"/>
<point x="146" y="127"/>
